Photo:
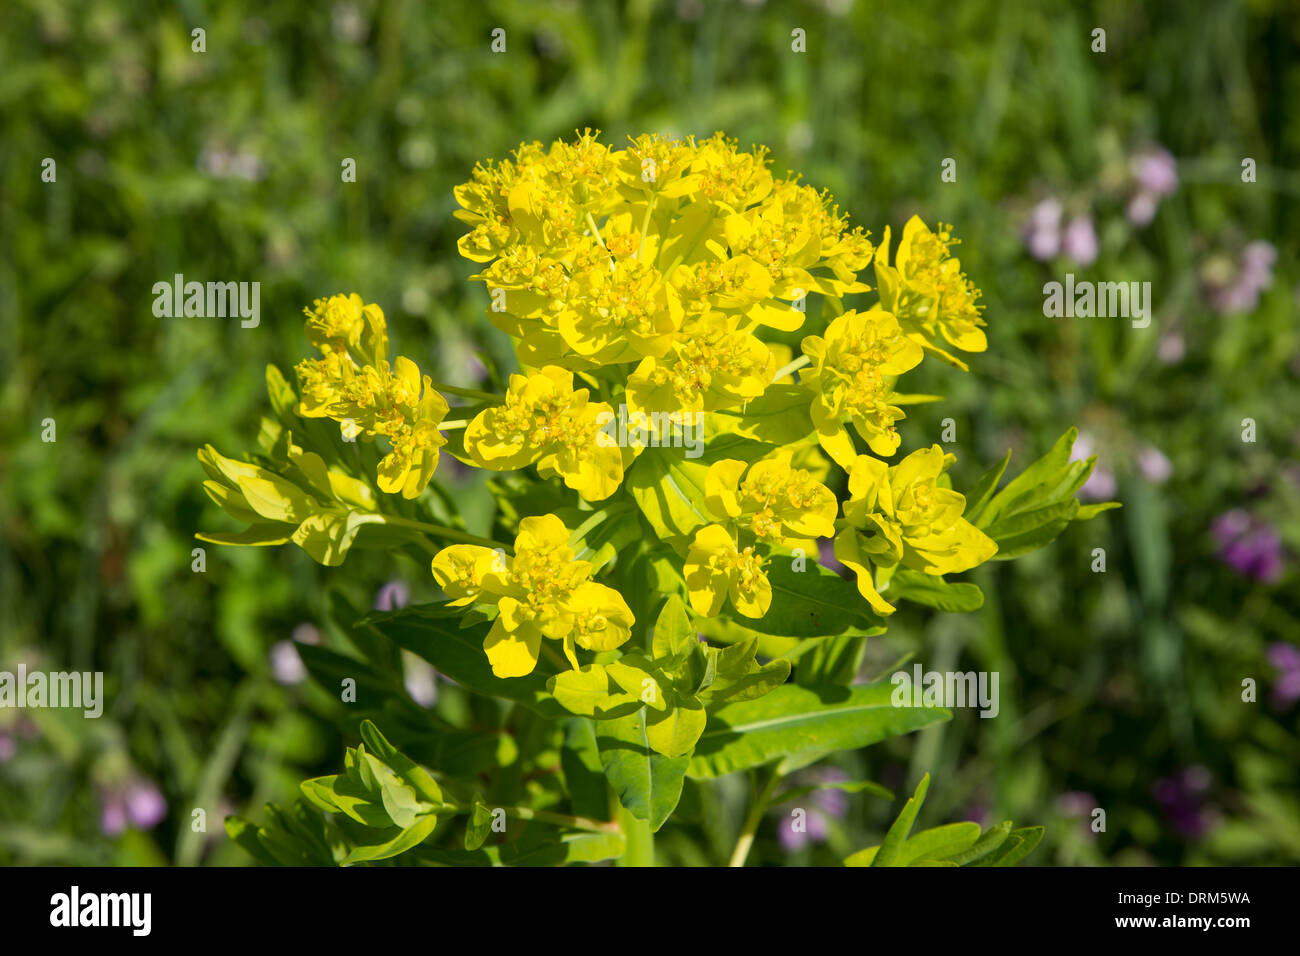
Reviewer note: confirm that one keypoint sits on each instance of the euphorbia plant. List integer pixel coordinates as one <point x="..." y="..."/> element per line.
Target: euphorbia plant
<point x="644" y="607"/>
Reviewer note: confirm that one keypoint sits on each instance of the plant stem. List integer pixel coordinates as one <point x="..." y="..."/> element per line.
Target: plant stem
<point x="787" y="369"/>
<point x="752" y="820"/>
<point x="640" y="840"/>
<point x="440" y="531"/>
<point x="468" y="392"/>
<point x="541" y="816"/>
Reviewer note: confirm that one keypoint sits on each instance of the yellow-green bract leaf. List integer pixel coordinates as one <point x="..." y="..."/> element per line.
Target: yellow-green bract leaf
<point x="639" y="683"/>
<point x="259" y="535"/>
<point x="328" y="536"/>
<point x="273" y="497"/>
<point x="340" y="794"/>
<point x="675" y="732"/>
<point x="231" y="502"/>
<point x="412" y="773"/>
<point x="794" y="719"/>
<point x="780" y="416"/>
<point x="673" y="633"/>
<point x="587" y="692"/>
<point x="738" y="676"/>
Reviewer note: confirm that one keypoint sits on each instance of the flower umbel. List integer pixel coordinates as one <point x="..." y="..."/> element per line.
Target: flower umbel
<point x="542" y="591"/>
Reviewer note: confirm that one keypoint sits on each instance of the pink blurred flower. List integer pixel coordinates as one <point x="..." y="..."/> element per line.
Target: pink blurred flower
<point x="392" y="596"/>
<point x="1043" y="233"/>
<point x="1155" y="175"/>
<point x="1079" y="241"/>
<point x="1101" y="484"/>
<point x="1153" y="465"/>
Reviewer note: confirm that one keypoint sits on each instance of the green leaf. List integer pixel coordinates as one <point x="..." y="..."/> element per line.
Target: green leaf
<point x="794" y="719"/>
<point x="673" y="634"/>
<point x="1019" y="845"/>
<point x="392" y="843"/>
<point x="648" y="784"/>
<point x="933" y="591"/>
<point x="993" y="838"/>
<point x="812" y="602"/>
<point x="979" y="495"/>
<point x="433" y="632"/>
<point x="588" y="692"/>
<point x="1045" y="470"/>
<point x="938" y="843"/>
<point x="674" y="732"/>
<point x="570" y="848"/>
<point x="584" y="778"/>
<point x="479" y="824"/>
<point x="669" y="487"/>
<point x="891" y="847"/>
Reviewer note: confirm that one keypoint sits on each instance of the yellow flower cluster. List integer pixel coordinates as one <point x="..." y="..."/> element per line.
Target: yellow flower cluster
<point x="542" y="591"/>
<point x="769" y="501"/>
<point x="901" y="515"/>
<point x="354" y="384"/>
<point x="653" y="276"/>
<point x="665" y="258"/>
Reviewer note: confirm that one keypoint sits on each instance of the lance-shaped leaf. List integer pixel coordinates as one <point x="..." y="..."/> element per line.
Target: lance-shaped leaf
<point x="794" y="720"/>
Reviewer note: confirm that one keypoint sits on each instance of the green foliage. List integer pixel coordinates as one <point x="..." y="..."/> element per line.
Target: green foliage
<point x="954" y="844"/>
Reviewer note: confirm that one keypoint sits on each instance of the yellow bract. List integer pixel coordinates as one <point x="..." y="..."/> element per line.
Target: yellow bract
<point x="929" y="293"/>
<point x="716" y="570"/>
<point x="354" y="384"/>
<point x="546" y="421"/>
<point x="542" y="591"/>
<point x="851" y="374"/>
<point x="902" y="515"/>
<point x="772" y="501"/>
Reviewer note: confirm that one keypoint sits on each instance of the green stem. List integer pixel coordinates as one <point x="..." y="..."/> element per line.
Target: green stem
<point x="791" y="367"/>
<point x="640" y="840"/>
<point x="645" y="223"/>
<point x="440" y="531"/>
<point x="540" y="816"/>
<point x="595" y="231"/>
<point x="468" y="392"/>
<point x="752" y="820"/>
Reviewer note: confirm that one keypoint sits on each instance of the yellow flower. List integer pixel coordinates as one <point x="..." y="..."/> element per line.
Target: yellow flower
<point x="342" y="323"/>
<point x="354" y="385"/>
<point x="902" y="515"/>
<point x="708" y="367"/>
<point x="717" y="570"/>
<point x="546" y="421"/>
<point x="542" y="591"/>
<point x="929" y="293"/>
<point x="773" y="501"/>
<point x="618" y="313"/>
<point x="851" y="375"/>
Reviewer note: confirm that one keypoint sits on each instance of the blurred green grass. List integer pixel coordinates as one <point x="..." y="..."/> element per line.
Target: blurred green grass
<point x="225" y="166"/>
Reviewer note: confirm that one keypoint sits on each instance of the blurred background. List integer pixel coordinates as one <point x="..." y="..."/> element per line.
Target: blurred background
<point x="1120" y="690"/>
